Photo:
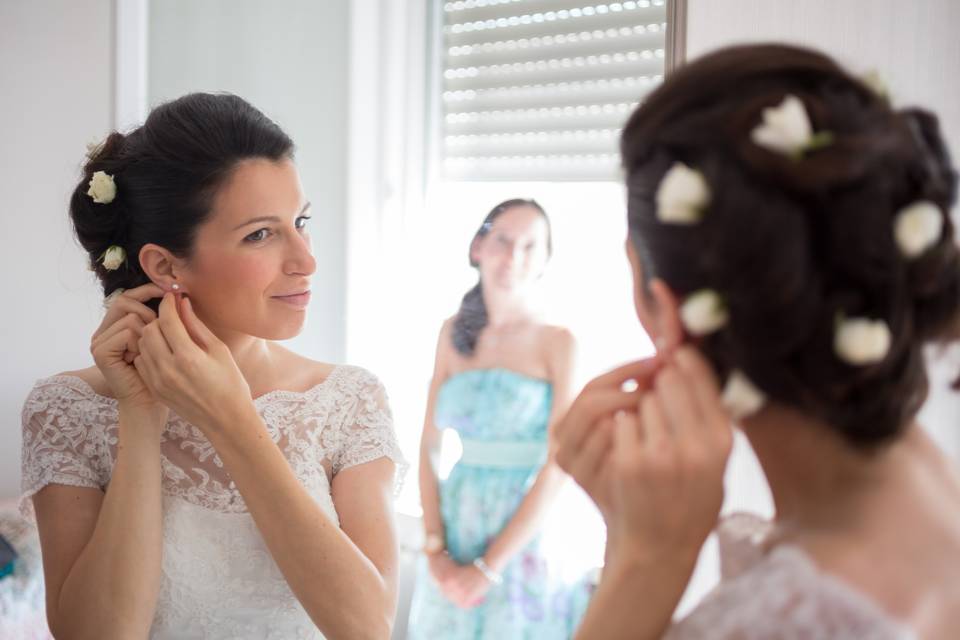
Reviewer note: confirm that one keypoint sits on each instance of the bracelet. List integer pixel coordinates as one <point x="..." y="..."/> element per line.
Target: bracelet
<point x="487" y="572"/>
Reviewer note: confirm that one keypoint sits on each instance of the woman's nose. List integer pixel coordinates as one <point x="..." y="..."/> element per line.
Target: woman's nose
<point x="301" y="260"/>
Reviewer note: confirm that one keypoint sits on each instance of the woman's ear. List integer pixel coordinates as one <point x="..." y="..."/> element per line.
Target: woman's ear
<point x="160" y="265"/>
<point x="475" y="251"/>
<point x="669" y="326"/>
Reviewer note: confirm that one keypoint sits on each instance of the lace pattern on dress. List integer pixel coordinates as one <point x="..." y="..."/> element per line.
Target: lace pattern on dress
<point x="780" y="594"/>
<point x="70" y="437"/>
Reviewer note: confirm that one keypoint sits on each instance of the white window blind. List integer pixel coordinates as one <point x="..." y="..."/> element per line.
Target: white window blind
<point x="540" y="89"/>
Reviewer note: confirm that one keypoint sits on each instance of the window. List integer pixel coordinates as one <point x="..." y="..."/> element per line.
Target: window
<point x="535" y="90"/>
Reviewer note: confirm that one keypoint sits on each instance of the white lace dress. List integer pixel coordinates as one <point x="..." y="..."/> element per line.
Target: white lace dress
<point x="780" y="594"/>
<point x="218" y="578"/>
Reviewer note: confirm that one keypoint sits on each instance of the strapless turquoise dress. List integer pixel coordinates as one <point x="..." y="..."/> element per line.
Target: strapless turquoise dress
<point x="501" y="417"/>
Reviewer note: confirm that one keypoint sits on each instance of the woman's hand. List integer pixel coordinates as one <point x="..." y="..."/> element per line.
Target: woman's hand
<point x="116" y="344"/>
<point x="189" y="368"/>
<point x="584" y="436"/>
<point x="654" y="469"/>
<point x="466" y="586"/>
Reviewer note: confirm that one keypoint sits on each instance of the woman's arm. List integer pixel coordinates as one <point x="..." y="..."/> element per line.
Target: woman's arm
<point x="430" y="442"/>
<point x="101" y="553"/>
<point x="345" y="578"/>
<point x="347" y="584"/>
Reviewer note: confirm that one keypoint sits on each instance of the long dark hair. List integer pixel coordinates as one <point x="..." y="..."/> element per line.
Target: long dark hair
<point x="792" y="243"/>
<point x="472" y="316"/>
<point x="167" y="172"/>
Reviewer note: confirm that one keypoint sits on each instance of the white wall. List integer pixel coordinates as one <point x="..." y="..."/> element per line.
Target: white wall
<point x="913" y="45"/>
<point x="289" y="58"/>
<point x="56" y="71"/>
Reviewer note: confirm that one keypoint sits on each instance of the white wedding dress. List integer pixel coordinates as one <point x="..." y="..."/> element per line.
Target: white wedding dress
<point x="780" y="594"/>
<point x="218" y="578"/>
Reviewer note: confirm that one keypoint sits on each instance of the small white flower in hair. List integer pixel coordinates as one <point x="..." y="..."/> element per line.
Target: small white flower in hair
<point x="113" y="257"/>
<point x="102" y="188"/>
<point x="703" y="312"/>
<point x="861" y="341"/>
<point x="741" y="397"/>
<point x="682" y="195"/>
<point x="874" y="81"/>
<point x="786" y="129"/>
<point x="112" y="297"/>
<point x="918" y="227"/>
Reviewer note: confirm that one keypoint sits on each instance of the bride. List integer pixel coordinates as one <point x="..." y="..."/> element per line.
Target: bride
<point x="201" y="481"/>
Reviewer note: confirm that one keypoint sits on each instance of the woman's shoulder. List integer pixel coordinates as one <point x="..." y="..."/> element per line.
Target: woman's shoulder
<point x="784" y="593"/>
<point x="88" y="383"/>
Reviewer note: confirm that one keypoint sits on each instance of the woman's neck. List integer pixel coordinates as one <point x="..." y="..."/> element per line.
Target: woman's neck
<point x="505" y="308"/>
<point x="819" y="482"/>
<point x="254" y="357"/>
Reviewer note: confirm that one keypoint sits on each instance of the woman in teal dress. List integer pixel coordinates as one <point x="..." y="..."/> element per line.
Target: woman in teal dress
<point x="501" y="378"/>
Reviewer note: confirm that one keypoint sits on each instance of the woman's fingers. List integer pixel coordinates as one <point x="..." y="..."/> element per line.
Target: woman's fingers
<point x="703" y="383"/>
<point x="153" y="340"/>
<point x="585" y="466"/>
<point x="640" y="371"/>
<point x="131" y="302"/>
<point x="195" y="327"/>
<point x="678" y="401"/>
<point x="587" y="409"/>
<point x="172" y="326"/>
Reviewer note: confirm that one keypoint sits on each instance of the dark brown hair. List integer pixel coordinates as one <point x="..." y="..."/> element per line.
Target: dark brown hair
<point x="167" y="172"/>
<point x="792" y="243"/>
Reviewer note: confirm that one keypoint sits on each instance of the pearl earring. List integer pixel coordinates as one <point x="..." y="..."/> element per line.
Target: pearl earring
<point x="175" y="286"/>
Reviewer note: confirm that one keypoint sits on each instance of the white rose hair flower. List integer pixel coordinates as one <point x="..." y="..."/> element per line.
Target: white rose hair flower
<point x="741" y="397"/>
<point x="113" y="257"/>
<point x="917" y="228"/>
<point x="861" y="341"/>
<point x="786" y="129"/>
<point x="703" y="312"/>
<point x="102" y="188"/>
<point x="682" y="195"/>
<point x="874" y="81"/>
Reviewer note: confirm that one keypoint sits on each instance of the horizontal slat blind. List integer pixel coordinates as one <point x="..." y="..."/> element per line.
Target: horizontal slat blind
<point x="539" y="89"/>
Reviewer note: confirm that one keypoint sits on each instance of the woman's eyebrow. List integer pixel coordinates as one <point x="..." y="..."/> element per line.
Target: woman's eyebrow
<point x="267" y="218"/>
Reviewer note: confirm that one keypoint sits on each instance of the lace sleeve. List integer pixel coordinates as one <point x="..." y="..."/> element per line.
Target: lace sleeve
<point x="368" y="431"/>
<point x="60" y="444"/>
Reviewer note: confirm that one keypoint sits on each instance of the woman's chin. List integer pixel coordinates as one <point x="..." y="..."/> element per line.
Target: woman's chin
<point x="284" y="331"/>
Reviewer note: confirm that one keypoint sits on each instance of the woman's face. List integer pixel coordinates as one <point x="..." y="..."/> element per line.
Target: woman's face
<point x="252" y="261"/>
<point x="513" y="253"/>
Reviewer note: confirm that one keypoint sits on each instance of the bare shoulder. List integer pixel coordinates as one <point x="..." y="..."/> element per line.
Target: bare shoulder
<point x="92" y="376"/>
<point x="558" y="340"/>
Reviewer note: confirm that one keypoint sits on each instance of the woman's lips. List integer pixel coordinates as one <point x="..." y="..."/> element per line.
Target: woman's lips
<point x="299" y="300"/>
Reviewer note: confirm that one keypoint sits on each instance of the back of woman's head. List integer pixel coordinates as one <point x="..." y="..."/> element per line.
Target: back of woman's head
<point x="166" y="173"/>
<point x="795" y="243"/>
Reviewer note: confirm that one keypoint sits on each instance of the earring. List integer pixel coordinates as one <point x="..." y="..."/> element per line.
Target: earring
<point x="175" y="286"/>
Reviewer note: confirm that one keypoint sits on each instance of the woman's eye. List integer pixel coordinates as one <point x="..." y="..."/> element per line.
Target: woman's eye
<point x="258" y="236"/>
<point x="301" y="222"/>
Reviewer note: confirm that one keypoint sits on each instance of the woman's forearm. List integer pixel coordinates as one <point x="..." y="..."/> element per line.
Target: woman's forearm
<point x="111" y="590"/>
<point x="628" y="578"/>
<point x="315" y="556"/>
<point x="430" y="491"/>
<point x="526" y="521"/>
